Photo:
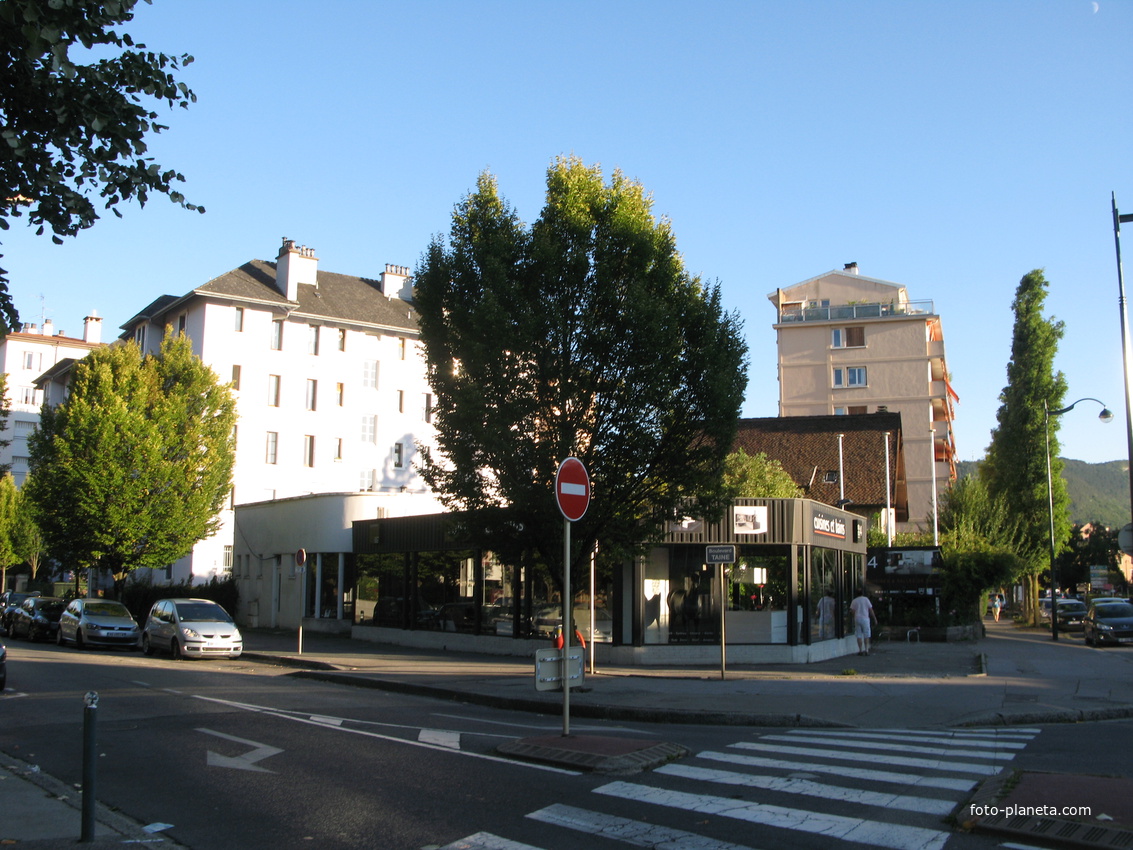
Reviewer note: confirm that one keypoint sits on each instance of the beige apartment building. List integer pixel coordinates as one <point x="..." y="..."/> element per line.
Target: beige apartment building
<point x="851" y="344"/>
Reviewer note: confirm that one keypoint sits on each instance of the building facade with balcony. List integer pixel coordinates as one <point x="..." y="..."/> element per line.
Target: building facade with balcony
<point x="331" y="393"/>
<point x="850" y="344"/>
<point x="25" y="356"/>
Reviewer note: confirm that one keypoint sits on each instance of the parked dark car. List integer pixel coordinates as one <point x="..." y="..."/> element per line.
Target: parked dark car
<point x="1108" y="622"/>
<point x="10" y="600"/>
<point x="37" y="618"/>
<point x="1071" y="614"/>
<point x="98" y="622"/>
<point x="3" y="667"/>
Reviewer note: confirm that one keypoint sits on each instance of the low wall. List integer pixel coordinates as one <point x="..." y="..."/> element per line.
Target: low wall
<point x="932" y="634"/>
<point x="326" y="625"/>
<point x="653" y="655"/>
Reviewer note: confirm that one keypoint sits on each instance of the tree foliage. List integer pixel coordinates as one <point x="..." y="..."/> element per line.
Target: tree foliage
<point x="582" y="336"/>
<point x="1016" y="464"/>
<point x="9" y="496"/>
<point x="758" y="477"/>
<point x="1015" y="467"/>
<point x="27" y="540"/>
<point x="1090" y="544"/>
<point x="69" y="128"/>
<point x="132" y="468"/>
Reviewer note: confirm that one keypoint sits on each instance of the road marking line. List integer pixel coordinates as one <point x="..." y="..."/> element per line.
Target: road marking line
<point x="898" y="746"/>
<point x="911" y="779"/>
<point x="247" y="761"/>
<point x="920" y="739"/>
<point x="872" y="758"/>
<point x="487" y="841"/>
<point x="284" y="715"/>
<point x="628" y="831"/>
<point x="858" y="830"/>
<point x="808" y="788"/>
<point x="440" y="737"/>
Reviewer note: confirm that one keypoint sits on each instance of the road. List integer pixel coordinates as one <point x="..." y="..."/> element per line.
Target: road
<point x="239" y="754"/>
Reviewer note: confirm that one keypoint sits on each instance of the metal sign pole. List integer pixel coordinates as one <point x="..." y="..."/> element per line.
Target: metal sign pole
<point x="567" y="605"/>
<point x="723" y="608"/>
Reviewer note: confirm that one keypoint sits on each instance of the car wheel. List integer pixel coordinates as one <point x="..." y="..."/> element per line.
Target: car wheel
<point x="79" y="639"/>
<point x="147" y="647"/>
<point x="175" y="649"/>
<point x="59" y="637"/>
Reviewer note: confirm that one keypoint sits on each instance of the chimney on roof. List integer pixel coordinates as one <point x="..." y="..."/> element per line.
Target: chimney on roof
<point x="48" y="327"/>
<point x="293" y="266"/>
<point x="852" y="268"/>
<point x="881" y="408"/>
<point x="396" y="282"/>
<point x="92" y="328"/>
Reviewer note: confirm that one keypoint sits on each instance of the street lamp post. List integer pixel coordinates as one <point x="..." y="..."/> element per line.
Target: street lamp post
<point x="1118" y="220"/>
<point x="1105" y="416"/>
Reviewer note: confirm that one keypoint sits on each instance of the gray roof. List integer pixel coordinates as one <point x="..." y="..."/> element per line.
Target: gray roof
<point x="338" y="298"/>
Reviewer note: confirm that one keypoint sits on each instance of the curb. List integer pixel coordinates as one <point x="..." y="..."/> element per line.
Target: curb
<point x="1065" y="832"/>
<point x="125" y="829"/>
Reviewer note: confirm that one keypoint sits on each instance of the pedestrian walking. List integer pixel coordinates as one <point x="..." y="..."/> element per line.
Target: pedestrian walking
<point x="826" y="614"/>
<point x="996" y="606"/>
<point x="862" y="609"/>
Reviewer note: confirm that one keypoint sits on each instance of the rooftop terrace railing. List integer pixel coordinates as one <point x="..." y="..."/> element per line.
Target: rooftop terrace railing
<point x="863" y="310"/>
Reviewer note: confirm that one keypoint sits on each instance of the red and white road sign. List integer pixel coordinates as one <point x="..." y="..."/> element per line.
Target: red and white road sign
<point x="572" y="489"/>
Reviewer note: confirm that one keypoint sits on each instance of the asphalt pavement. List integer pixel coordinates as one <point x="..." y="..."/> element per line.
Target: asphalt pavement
<point x="1012" y="676"/>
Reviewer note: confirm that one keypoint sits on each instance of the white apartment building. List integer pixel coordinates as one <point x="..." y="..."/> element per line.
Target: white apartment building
<point x="329" y="379"/>
<point x="851" y="344"/>
<point x="25" y="356"/>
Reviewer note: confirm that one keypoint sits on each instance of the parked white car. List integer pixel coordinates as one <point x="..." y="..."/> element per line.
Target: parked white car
<point x="191" y="628"/>
<point x="97" y="622"/>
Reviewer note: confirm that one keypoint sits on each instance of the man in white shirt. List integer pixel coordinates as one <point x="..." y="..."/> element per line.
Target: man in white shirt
<point x="862" y="609"/>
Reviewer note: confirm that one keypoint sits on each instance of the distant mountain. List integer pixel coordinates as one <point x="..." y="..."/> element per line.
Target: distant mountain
<point x="1099" y="492"/>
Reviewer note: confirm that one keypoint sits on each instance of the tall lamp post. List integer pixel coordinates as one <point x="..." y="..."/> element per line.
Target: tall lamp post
<point x="1105" y="416"/>
<point x="1118" y="220"/>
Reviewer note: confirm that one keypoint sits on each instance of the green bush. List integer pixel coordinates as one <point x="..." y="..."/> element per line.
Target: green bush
<point x="139" y="597"/>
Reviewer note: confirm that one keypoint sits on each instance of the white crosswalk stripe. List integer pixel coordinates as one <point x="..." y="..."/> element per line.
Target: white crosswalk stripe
<point x="633" y="832"/>
<point x="888" y="788"/>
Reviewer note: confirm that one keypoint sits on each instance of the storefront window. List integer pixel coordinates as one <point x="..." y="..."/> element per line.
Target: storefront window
<point x="823" y="594"/>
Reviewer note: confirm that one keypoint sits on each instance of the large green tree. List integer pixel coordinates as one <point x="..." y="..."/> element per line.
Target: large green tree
<point x="758" y="477"/>
<point x="1016" y="464"/>
<point x="582" y="336"/>
<point x="69" y="127"/>
<point x="132" y="468"/>
<point x="9" y="497"/>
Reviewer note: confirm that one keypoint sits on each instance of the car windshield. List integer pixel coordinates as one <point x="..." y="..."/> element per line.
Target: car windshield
<point x="1071" y="607"/>
<point x="202" y="612"/>
<point x="1113" y="611"/>
<point x="51" y="606"/>
<point x="106" y="609"/>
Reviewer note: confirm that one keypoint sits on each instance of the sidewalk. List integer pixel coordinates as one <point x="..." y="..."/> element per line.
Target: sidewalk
<point x="1011" y="677"/>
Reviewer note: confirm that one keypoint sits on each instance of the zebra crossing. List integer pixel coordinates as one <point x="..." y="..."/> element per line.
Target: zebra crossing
<point x="889" y="788"/>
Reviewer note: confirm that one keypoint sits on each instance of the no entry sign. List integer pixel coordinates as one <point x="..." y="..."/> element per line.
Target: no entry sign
<point x="572" y="489"/>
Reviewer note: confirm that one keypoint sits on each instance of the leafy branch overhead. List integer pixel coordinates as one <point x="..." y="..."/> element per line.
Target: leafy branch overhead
<point x="72" y="129"/>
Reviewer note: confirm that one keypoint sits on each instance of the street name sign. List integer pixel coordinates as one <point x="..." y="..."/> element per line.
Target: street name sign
<point x="723" y="554"/>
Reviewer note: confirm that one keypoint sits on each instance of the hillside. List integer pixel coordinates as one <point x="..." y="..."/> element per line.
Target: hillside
<point x="1099" y="492"/>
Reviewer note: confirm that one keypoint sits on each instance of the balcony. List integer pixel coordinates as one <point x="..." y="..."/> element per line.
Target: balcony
<point x="851" y="312"/>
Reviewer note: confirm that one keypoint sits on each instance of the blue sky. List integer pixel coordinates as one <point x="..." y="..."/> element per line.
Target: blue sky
<point x="950" y="147"/>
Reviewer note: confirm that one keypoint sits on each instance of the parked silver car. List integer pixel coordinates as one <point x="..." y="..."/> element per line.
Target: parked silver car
<point x="97" y="622"/>
<point x="191" y="628"/>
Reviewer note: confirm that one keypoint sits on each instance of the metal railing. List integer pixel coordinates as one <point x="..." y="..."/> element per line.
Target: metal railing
<point x="874" y="310"/>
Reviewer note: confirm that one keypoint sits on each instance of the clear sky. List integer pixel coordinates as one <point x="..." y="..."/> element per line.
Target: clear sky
<point x="947" y="146"/>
